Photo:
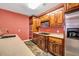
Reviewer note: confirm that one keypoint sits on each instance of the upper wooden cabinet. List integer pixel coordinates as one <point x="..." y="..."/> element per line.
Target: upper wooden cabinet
<point x="60" y="17"/>
<point x="56" y="18"/>
<point x="33" y="25"/>
<point x="36" y="24"/>
<point x="44" y="18"/>
<point x="71" y="6"/>
<point x="52" y="20"/>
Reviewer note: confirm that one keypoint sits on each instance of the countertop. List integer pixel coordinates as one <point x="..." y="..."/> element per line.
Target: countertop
<point x="14" y="46"/>
<point x="61" y="36"/>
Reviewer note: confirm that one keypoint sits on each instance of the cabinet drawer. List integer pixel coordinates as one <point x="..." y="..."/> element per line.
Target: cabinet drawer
<point x="57" y="40"/>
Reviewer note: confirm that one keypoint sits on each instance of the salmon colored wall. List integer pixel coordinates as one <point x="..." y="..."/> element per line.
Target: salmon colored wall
<point x="53" y="30"/>
<point x="15" y="23"/>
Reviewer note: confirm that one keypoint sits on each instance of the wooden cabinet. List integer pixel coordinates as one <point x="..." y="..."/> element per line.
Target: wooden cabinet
<point x="71" y="6"/>
<point x="44" y="18"/>
<point x="36" y="24"/>
<point x="35" y="38"/>
<point x="49" y="44"/>
<point x="57" y="18"/>
<point x="40" y="41"/>
<point x="60" y="17"/>
<point x="55" y="46"/>
<point x="52" y="20"/>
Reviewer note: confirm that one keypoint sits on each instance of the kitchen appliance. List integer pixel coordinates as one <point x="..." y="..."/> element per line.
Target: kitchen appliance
<point x="72" y="34"/>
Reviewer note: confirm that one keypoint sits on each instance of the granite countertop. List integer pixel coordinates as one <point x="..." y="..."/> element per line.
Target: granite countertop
<point x="61" y="36"/>
<point x="57" y="35"/>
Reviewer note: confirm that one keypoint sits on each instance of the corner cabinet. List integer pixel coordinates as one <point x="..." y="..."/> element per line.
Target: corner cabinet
<point x="36" y="24"/>
<point x="56" y="46"/>
<point x="38" y="21"/>
<point x="70" y="6"/>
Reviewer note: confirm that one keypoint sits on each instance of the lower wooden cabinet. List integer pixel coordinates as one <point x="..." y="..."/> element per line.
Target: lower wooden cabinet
<point x="40" y="41"/>
<point x="35" y="39"/>
<point x="49" y="44"/>
<point x="55" y="46"/>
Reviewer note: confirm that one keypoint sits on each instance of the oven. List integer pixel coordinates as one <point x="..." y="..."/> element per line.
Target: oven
<point x="73" y="32"/>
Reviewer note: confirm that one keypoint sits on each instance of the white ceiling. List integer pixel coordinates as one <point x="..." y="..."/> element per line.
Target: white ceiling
<point x="23" y="9"/>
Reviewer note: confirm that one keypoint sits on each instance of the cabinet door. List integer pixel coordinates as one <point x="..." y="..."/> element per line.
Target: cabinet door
<point x="50" y="46"/>
<point x="35" y="25"/>
<point x="44" y="18"/>
<point x="43" y="44"/>
<point x="41" y="18"/>
<point x="39" y="41"/>
<point x="34" y="28"/>
<point x="55" y="46"/>
<point x="60" y="17"/>
<point x="61" y="52"/>
<point x="38" y="22"/>
<point x="65" y="7"/>
<point x="52" y="20"/>
<point x="71" y="6"/>
<point x="34" y="38"/>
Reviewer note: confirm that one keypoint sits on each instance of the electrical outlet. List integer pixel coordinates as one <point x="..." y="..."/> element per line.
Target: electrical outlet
<point x="57" y="31"/>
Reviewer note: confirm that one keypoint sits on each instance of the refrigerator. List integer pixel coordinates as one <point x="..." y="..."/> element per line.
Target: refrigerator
<point x="72" y="34"/>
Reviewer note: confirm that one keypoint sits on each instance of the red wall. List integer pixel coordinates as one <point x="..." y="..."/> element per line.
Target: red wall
<point x="15" y="23"/>
<point x="53" y="30"/>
